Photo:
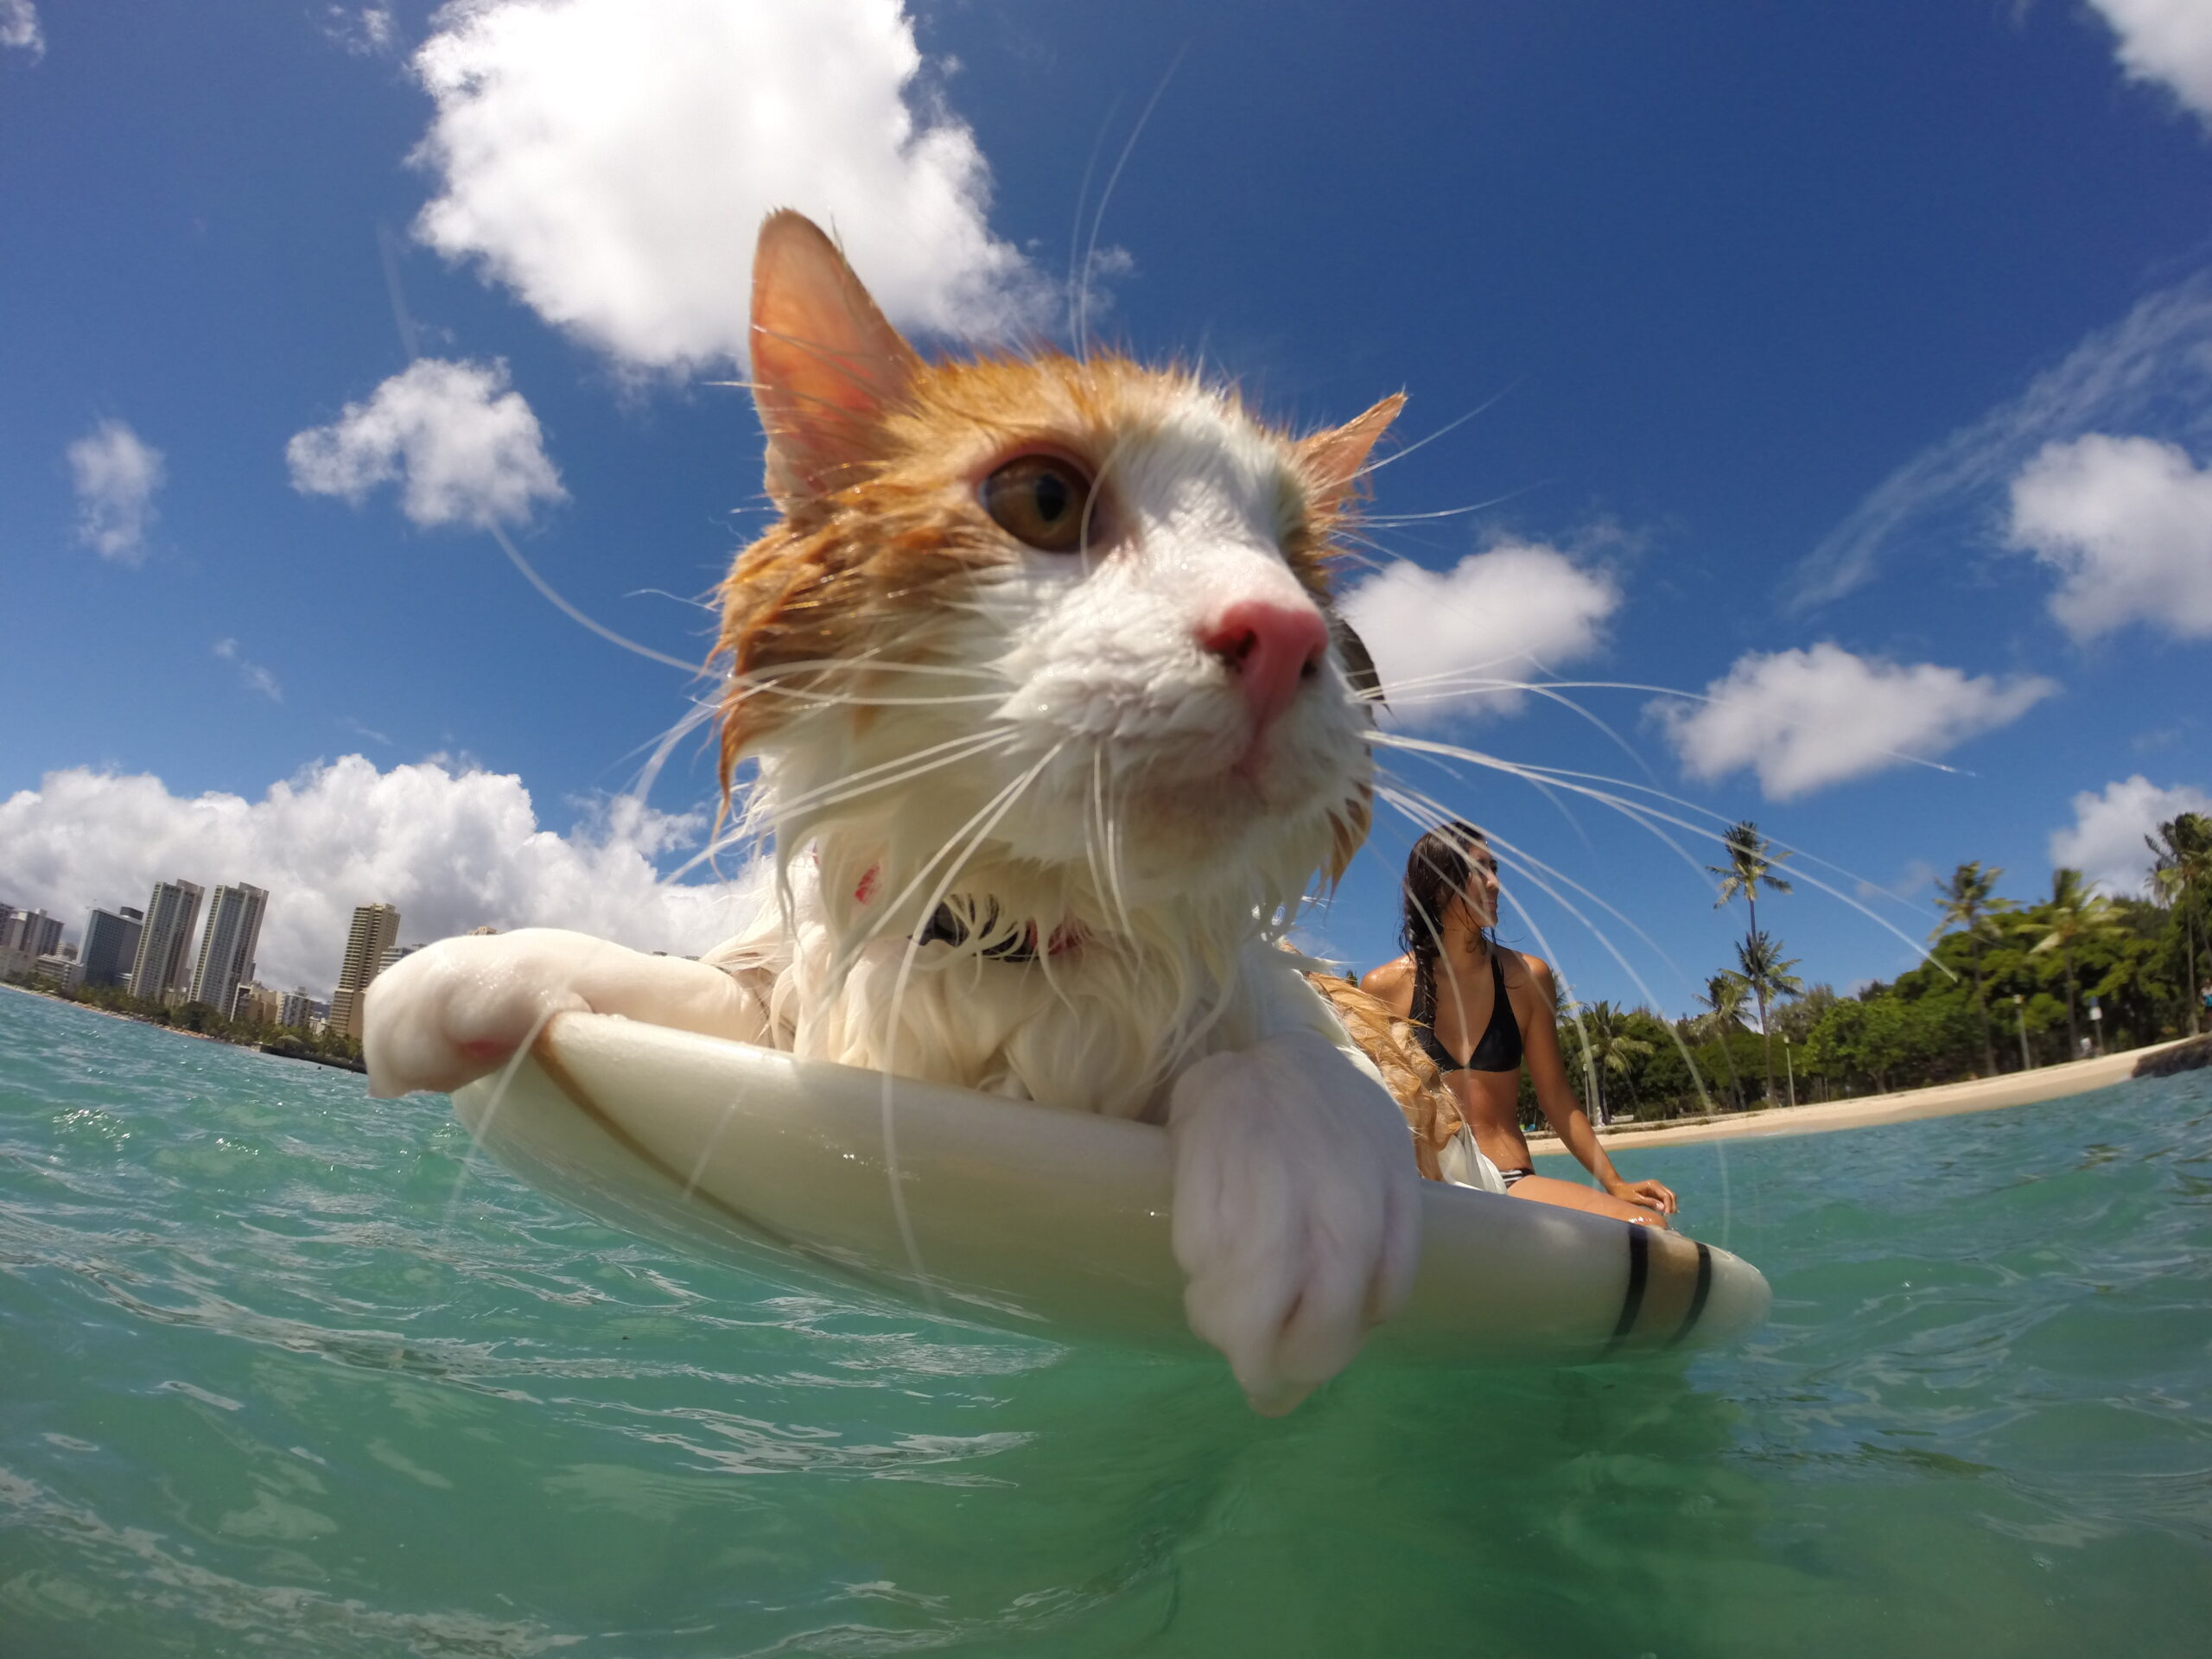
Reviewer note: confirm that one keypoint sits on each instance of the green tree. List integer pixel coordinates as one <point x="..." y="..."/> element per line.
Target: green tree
<point x="1970" y="907"/>
<point x="1723" y="1003"/>
<point x="2076" y="919"/>
<point x="2181" y="877"/>
<point x="1609" y="1047"/>
<point x="1759" y="961"/>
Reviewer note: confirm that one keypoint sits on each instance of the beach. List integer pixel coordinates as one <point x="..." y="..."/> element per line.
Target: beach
<point x="1944" y="1100"/>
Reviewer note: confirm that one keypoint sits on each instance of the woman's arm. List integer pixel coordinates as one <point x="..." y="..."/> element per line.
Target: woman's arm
<point x="1538" y="1008"/>
<point x="1392" y="985"/>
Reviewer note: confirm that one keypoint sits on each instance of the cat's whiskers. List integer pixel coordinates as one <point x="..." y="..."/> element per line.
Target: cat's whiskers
<point x="856" y="785"/>
<point x="1445" y="430"/>
<point x="1645" y="816"/>
<point x="983" y="823"/>
<point x="1105" y="196"/>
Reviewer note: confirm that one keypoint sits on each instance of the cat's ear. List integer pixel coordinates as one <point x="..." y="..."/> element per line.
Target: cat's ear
<point x="825" y="364"/>
<point x="1334" y="459"/>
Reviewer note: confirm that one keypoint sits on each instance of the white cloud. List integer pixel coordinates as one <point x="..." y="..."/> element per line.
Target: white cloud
<point x="2151" y="371"/>
<point x="256" y="677"/>
<point x="2105" y="842"/>
<point x="116" y="474"/>
<point x="463" y="448"/>
<point x="1803" y="720"/>
<point x="611" y="162"/>
<point x="19" y="27"/>
<point x="452" y="849"/>
<point x="2128" y="524"/>
<point x="1510" y="613"/>
<point x="366" y="32"/>
<point x="2168" y="43"/>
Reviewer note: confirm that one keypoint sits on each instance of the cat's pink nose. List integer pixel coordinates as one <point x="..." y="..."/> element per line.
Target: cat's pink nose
<point x="1269" y="647"/>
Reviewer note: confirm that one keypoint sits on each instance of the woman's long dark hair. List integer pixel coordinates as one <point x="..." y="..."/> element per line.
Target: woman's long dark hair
<point x="1436" y="874"/>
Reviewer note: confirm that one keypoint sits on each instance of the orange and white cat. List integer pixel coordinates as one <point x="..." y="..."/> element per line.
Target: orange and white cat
<point x="1055" y="733"/>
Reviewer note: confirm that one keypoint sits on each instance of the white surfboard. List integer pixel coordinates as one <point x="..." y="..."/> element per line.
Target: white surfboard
<point x="1034" y="1218"/>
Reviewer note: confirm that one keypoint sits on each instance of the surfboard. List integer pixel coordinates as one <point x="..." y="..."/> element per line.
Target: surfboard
<point x="1032" y="1218"/>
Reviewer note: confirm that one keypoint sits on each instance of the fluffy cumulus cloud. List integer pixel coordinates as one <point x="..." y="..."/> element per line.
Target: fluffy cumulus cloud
<point x="2105" y="841"/>
<point x="462" y="447"/>
<point x="1442" y="639"/>
<point x="611" y="162"/>
<point x="1803" y="720"/>
<point x="453" y="848"/>
<point x="2128" y="524"/>
<point x="2168" y="43"/>
<point x="19" y="27"/>
<point x="116" y="474"/>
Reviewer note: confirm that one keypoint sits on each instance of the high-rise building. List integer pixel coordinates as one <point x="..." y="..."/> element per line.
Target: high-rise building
<point x="300" y="1011"/>
<point x="111" y="944"/>
<point x="165" y="941"/>
<point x="259" y="1004"/>
<point x="375" y="926"/>
<point x="32" y="931"/>
<point x="393" y="953"/>
<point x="227" y="947"/>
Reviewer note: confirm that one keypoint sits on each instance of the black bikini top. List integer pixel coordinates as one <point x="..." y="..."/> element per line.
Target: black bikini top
<point x="1500" y="1047"/>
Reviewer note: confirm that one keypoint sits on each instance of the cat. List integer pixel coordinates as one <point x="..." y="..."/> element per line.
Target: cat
<point x="1056" y="730"/>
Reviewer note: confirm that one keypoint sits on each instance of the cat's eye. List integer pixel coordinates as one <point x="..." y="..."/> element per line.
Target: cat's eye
<point x="1042" y="500"/>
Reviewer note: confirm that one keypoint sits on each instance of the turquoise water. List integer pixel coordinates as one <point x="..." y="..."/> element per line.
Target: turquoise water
<point x="275" y="1378"/>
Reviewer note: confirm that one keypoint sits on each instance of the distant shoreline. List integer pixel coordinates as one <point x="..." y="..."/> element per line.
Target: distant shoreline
<point x="333" y="1063"/>
<point x="115" y="1014"/>
<point x="1941" y="1099"/>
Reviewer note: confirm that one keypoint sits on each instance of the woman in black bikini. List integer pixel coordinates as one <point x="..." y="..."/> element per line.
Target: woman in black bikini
<point x="1451" y="903"/>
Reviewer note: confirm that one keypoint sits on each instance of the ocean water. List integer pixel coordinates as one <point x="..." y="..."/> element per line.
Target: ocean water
<point x="279" y="1372"/>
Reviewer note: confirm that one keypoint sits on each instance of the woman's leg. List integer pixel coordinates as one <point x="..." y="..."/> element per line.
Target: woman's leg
<point x="1568" y="1195"/>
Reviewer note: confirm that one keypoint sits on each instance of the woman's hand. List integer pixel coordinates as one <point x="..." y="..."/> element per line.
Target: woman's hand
<point x="1651" y="1194"/>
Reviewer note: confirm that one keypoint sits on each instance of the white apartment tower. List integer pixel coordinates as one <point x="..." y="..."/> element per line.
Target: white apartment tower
<point x="375" y="927"/>
<point x="226" y="948"/>
<point x="165" y="942"/>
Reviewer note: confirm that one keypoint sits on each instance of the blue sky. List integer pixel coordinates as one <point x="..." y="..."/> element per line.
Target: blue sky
<point x="1851" y="365"/>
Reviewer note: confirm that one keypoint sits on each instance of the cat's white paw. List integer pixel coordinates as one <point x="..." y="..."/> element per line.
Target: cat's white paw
<point x="1297" y="1211"/>
<point x="457" y="1010"/>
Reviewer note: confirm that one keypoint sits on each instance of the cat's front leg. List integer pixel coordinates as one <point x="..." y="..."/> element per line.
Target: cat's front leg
<point x="457" y="1010"/>
<point x="1297" y="1211"/>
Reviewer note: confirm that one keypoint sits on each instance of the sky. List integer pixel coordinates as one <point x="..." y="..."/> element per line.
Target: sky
<point x="1814" y="403"/>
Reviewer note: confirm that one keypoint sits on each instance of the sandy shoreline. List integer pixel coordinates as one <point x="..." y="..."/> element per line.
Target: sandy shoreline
<point x="1944" y="1100"/>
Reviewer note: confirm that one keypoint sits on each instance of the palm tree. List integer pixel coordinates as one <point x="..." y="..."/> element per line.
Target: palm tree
<point x="2181" y="876"/>
<point x="1751" y="859"/>
<point x="1759" y="961"/>
<point x="2075" y="917"/>
<point x="1608" y="1047"/>
<point x="1969" y="905"/>
<point x="1723" y="1003"/>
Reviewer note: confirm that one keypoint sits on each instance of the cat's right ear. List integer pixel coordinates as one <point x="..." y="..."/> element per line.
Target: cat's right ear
<point x="825" y="364"/>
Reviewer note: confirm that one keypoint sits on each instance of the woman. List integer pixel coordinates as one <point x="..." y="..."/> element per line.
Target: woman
<point x="1481" y="1011"/>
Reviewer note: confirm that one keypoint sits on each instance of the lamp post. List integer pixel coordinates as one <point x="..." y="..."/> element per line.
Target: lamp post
<point x="2020" y="1011"/>
<point x="2097" y="1025"/>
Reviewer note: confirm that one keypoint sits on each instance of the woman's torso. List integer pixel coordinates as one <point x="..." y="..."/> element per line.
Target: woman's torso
<point x="1474" y="1018"/>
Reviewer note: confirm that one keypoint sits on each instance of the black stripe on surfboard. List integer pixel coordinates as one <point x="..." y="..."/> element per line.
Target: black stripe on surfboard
<point x="1639" y="1273"/>
<point x="1697" y="1297"/>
